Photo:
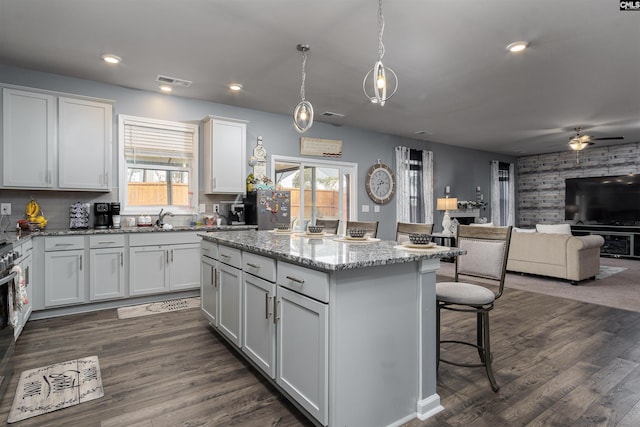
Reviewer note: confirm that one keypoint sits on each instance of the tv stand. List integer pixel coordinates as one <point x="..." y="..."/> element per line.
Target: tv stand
<point x="619" y="240"/>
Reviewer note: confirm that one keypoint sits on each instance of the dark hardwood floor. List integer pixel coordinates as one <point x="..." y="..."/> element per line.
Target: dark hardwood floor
<point x="559" y="363"/>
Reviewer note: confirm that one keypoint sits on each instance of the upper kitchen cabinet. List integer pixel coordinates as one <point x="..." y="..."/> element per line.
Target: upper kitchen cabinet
<point x="225" y="142"/>
<point x="84" y="144"/>
<point x="50" y="141"/>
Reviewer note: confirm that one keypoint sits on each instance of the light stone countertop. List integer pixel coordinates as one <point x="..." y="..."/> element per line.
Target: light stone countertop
<point x="325" y="253"/>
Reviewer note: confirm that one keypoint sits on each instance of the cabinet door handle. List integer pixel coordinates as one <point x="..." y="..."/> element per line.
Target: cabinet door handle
<point x="167" y="252"/>
<point x="298" y="281"/>
<point x="214" y="277"/>
<point x="253" y="265"/>
<point x="80" y="262"/>
<point x="266" y="306"/>
<point x="27" y="281"/>
<point x="276" y="317"/>
<point x="225" y="256"/>
<point x="62" y="244"/>
<point x="106" y="243"/>
<point x="213" y="182"/>
<point x="171" y="255"/>
<point x="121" y="259"/>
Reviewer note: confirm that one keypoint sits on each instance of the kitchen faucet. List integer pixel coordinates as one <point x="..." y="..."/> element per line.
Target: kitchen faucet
<point x="160" y="220"/>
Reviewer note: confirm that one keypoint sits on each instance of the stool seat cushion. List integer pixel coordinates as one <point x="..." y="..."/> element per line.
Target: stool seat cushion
<point x="463" y="293"/>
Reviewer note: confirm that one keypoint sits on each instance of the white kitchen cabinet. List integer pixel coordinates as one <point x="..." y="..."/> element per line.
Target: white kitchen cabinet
<point x="162" y="262"/>
<point x="26" y="265"/>
<point x="55" y="142"/>
<point x="209" y="282"/>
<point x="225" y="142"/>
<point x="303" y="351"/>
<point x="259" y="328"/>
<point x="28" y="139"/>
<point x="230" y="302"/>
<point x="64" y="267"/>
<point x="84" y="144"/>
<point x="106" y="267"/>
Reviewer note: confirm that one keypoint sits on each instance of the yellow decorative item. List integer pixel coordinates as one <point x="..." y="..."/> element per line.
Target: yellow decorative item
<point x="34" y="214"/>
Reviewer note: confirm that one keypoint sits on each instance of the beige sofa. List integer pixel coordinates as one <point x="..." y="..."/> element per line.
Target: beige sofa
<point x="573" y="258"/>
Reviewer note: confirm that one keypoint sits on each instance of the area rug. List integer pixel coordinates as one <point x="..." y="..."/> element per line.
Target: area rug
<point x="158" y="307"/>
<point x="54" y="387"/>
<point x="617" y="284"/>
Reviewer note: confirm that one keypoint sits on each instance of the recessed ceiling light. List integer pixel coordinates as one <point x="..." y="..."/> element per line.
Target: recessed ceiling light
<point x="517" y="47"/>
<point x="235" y="87"/>
<point x="165" y="88"/>
<point x="111" y="59"/>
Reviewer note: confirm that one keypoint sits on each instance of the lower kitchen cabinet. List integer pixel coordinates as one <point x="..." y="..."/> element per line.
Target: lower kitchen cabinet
<point x="259" y="328"/>
<point x="303" y="351"/>
<point x="106" y="267"/>
<point x="25" y="262"/>
<point x="209" y="287"/>
<point x="230" y="302"/>
<point x="64" y="277"/>
<point x="148" y="267"/>
<point x="183" y="269"/>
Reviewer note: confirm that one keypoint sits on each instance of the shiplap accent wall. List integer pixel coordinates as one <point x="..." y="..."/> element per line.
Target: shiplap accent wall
<point x="540" y="184"/>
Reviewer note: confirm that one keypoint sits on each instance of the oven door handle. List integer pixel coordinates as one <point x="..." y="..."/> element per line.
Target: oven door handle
<point x="9" y="278"/>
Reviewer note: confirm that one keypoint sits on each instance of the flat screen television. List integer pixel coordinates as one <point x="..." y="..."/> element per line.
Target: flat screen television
<point x="606" y="200"/>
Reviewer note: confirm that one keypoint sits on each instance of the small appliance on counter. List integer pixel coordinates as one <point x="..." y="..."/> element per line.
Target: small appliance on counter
<point x="232" y="212"/>
<point x="79" y="215"/>
<point x="101" y="215"/>
<point x="114" y="218"/>
<point x="266" y="208"/>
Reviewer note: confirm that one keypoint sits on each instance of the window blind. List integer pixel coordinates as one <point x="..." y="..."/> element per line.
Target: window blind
<point x="146" y="137"/>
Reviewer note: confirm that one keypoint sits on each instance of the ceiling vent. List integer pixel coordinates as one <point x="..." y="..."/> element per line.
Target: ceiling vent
<point x="330" y="114"/>
<point x="173" y="81"/>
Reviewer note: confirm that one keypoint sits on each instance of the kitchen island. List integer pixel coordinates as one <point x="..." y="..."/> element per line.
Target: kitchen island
<point x="346" y="331"/>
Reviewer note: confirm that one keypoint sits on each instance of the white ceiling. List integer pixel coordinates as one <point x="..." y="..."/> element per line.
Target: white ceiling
<point x="456" y="79"/>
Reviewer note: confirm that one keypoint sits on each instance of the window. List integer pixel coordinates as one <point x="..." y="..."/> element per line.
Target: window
<point x="158" y="165"/>
<point x="414" y="179"/>
<point x="328" y="188"/>
<point x="502" y="193"/>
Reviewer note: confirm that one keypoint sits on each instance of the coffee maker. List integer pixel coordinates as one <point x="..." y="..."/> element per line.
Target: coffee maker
<point x="114" y="217"/>
<point x="101" y="215"/>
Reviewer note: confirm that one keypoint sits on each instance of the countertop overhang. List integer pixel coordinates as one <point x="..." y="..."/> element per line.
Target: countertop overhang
<point x="325" y="253"/>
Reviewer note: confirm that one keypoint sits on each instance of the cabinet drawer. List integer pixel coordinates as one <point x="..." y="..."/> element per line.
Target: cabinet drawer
<point x="259" y="265"/>
<point x="106" y="241"/>
<point x="152" y="238"/>
<point x="312" y="283"/>
<point x="209" y="249"/>
<point x="231" y="256"/>
<point x="65" y="243"/>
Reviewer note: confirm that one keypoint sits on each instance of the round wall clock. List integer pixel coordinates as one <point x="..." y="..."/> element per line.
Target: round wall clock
<point x="380" y="183"/>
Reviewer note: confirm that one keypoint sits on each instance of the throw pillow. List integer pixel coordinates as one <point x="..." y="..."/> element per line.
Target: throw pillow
<point x="524" y="230"/>
<point x="554" y="228"/>
<point x="479" y="224"/>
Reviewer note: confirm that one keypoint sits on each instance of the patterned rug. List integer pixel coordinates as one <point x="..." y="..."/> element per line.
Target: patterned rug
<point x="158" y="307"/>
<point x="54" y="387"/>
<point x="607" y="271"/>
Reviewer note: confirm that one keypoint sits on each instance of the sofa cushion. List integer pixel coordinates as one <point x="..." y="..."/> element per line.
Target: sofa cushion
<point x="539" y="248"/>
<point x="554" y="228"/>
<point x="524" y="230"/>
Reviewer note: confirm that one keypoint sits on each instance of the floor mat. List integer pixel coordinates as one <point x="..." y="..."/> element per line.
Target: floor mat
<point x="158" y="307"/>
<point x="57" y="386"/>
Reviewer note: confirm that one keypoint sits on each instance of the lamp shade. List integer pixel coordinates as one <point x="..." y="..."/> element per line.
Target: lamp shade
<point x="447" y="204"/>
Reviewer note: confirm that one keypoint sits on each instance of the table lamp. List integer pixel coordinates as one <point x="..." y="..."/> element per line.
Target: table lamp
<point x="446" y="204"/>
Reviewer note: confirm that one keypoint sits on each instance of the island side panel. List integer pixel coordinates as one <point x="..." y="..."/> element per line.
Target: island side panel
<point x="374" y="345"/>
<point x="428" y="400"/>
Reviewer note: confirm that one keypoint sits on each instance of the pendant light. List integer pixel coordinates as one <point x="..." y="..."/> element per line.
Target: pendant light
<point x="382" y="78"/>
<point x="303" y="113"/>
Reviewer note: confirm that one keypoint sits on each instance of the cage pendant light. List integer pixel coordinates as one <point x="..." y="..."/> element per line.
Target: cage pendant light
<point x="382" y="81"/>
<point x="303" y="113"/>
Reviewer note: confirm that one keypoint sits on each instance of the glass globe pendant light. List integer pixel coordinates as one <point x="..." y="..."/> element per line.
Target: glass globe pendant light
<point x="303" y="113"/>
<point x="381" y="79"/>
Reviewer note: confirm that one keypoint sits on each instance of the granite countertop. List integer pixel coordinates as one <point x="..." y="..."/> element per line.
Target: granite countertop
<point x="153" y="229"/>
<point x="325" y="253"/>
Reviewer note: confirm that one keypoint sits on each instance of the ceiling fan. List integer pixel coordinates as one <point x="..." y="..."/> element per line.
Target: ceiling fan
<point x="579" y="142"/>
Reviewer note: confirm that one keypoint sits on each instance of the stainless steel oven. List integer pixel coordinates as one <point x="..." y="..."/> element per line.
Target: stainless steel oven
<point x="7" y="342"/>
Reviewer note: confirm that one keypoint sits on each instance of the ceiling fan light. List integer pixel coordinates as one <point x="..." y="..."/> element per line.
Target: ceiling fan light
<point x="578" y="144"/>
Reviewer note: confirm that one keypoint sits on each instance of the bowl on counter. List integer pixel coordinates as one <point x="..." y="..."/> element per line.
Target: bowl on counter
<point x="420" y="238"/>
<point x="283" y="226"/>
<point x="356" y="233"/>
<point x="315" y="229"/>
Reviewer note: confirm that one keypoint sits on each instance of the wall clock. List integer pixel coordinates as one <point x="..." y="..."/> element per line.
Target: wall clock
<point x="380" y="183"/>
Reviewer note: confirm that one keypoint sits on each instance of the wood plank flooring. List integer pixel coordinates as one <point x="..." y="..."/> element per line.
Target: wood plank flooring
<point x="559" y="363"/>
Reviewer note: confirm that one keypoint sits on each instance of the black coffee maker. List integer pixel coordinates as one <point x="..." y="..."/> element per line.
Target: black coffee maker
<point x="101" y="215"/>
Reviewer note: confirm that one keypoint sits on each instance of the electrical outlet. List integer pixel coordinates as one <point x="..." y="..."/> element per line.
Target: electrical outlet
<point x="365" y="208"/>
<point x="201" y="208"/>
<point x="5" y="208"/>
<point x="216" y="208"/>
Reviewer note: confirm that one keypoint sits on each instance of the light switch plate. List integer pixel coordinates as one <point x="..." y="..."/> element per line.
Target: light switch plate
<point x="201" y="208"/>
<point x="376" y="208"/>
<point x="365" y="208"/>
<point x="5" y="208"/>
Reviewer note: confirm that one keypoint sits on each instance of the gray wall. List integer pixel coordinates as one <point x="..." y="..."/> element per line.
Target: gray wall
<point x="541" y="187"/>
<point x="462" y="169"/>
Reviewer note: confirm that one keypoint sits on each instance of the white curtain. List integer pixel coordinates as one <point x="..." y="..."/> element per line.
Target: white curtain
<point x="427" y="184"/>
<point x="403" y="205"/>
<point x="502" y="194"/>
